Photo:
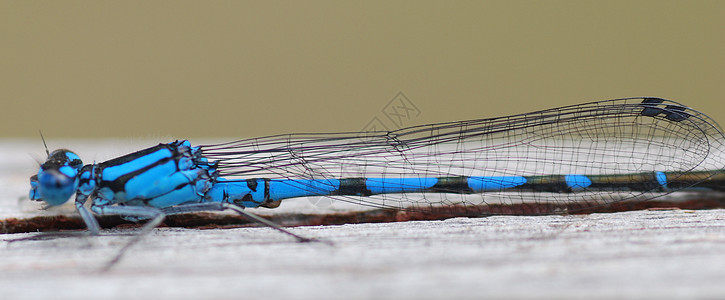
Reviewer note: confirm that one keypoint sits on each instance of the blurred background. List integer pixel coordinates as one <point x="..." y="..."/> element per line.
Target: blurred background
<point x="186" y="69"/>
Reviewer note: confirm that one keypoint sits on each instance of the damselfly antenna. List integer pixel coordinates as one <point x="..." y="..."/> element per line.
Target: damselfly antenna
<point x="44" y="144"/>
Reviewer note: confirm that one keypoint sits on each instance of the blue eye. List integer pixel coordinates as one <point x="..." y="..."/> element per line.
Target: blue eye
<point x="53" y="179"/>
<point x="55" y="187"/>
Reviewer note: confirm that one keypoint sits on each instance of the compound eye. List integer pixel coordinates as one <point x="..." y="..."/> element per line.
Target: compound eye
<point x="55" y="186"/>
<point x="55" y="179"/>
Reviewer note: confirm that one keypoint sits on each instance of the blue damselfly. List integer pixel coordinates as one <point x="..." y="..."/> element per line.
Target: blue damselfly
<point x="563" y="159"/>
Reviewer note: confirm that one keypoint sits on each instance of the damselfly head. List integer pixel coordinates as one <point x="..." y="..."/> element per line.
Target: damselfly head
<point x="57" y="178"/>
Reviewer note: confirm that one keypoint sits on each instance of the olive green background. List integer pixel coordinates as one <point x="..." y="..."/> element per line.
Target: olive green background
<point x="180" y="69"/>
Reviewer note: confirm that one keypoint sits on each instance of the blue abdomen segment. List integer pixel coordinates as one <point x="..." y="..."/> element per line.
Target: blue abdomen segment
<point x="284" y="189"/>
<point x="247" y="193"/>
<point x="661" y="178"/>
<point x="577" y="182"/>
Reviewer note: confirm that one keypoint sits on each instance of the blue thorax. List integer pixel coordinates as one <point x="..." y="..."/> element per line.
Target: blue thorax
<point x="160" y="176"/>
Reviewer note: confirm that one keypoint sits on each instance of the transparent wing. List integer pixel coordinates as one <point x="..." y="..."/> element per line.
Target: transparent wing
<point x="623" y="136"/>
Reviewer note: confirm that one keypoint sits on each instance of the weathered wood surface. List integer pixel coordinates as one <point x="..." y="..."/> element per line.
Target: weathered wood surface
<point x="639" y="254"/>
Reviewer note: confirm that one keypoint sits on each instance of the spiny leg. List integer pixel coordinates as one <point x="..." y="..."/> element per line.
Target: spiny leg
<point x="155" y="215"/>
<point x="215" y="206"/>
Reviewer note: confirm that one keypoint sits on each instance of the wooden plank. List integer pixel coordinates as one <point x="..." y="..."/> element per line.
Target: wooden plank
<point x="644" y="254"/>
